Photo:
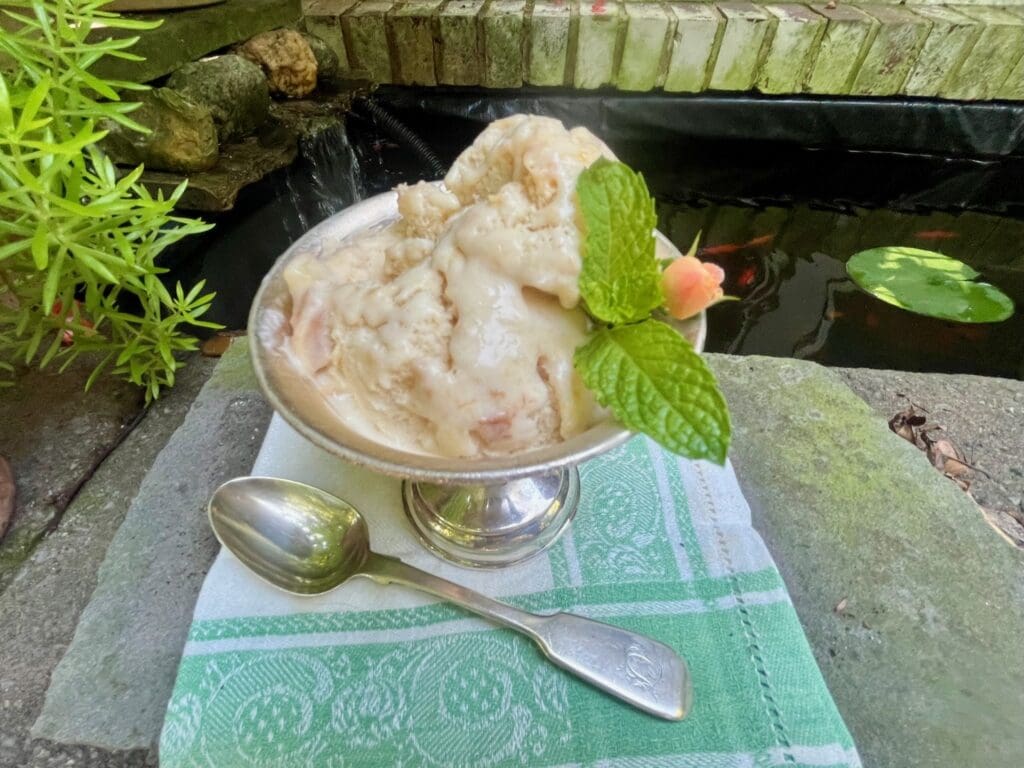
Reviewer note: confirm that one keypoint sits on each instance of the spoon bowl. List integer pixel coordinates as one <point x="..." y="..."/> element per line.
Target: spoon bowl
<point x="306" y="541"/>
<point x="299" y="538"/>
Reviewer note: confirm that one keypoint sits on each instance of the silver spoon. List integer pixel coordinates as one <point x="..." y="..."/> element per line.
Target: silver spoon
<point x="306" y="541"/>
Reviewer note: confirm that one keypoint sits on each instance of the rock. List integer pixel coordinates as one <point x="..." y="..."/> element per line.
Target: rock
<point x="241" y="164"/>
<point x="233" y="89"/>
<point x="188" y="35"/>
<point x="53" y="433"/>
<point x="327" y="64"/>
<point x="6" y="494"/>
<point x="111" y="687"/>
<point x="286" y="58"/>
<point x="182" y="138"/>
<point x="852" y="512"/>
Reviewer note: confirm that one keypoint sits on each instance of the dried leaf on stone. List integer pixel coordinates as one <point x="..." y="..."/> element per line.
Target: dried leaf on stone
<point x="906" y="422"/>
<point x="947" y="457"/>
<point x="218" y="344"/>
<point x="6" y="494"/>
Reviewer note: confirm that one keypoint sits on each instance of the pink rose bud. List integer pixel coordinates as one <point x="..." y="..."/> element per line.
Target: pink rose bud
<point x="691" y="285"/>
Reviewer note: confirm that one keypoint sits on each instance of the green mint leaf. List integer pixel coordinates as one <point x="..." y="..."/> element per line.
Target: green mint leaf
<point x="620" y="281"/>
<point x="655" y="383"/>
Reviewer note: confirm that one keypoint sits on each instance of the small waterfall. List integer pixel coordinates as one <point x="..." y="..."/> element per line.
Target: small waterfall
<point x="325" y="178"/>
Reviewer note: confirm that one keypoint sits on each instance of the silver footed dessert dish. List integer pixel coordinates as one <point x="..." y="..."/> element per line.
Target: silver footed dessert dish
<point x="428" y="333"/>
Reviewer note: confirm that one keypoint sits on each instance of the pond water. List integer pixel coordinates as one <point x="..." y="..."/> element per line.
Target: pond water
<point x="780" y="218"/>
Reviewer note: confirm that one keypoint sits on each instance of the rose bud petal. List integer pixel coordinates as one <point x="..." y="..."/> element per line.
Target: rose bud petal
<point x="690" y="286"/>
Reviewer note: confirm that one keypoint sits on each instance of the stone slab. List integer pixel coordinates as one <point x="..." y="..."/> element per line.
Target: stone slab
<point x="952" y="37"/>
<point x="53" y="432"/>
<point x="40" y="609"/>
<point x="459" y="60"/>
<point x="977" y="413"/>
<point x="798" y="31"/>
<point x="923" y="659"/>
<point x="893" y="52"/>
<point x="847" y="35"/>
<point x="323" y="19"/>
<point x="649" y="29"/>
<point x="190" y="34"/>
<point x="739" y="50"/>
<point x="412" y="40"/>
<point x="596" y="41"/>
<point x="698" y="27"/>
<point x="502" y="28"/>
<point x="549" y="26"/>
<point x="988" y="64"/>
<point x="1013" y="87"/>
<point x="239" y="165"/>
<point x="366" y="40"/>
<point x="112" y="686"/>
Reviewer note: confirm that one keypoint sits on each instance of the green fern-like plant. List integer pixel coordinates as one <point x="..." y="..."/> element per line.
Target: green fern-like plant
<point x="78" y="241"/>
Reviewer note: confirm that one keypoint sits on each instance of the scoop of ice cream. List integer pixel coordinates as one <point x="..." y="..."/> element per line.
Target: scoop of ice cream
<point x="452" y="331"/>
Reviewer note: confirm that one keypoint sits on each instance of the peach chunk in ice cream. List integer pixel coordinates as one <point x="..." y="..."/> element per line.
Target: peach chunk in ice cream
<point x="451" y="331"/>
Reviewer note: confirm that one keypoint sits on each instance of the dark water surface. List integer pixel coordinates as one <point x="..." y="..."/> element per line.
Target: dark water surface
<point x="781" y="220"/>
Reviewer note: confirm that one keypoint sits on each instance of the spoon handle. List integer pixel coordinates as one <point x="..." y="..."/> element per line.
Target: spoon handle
<point x="649" y="675"/>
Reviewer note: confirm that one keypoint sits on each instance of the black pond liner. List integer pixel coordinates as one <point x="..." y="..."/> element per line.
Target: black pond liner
<point x="784" y="189"/>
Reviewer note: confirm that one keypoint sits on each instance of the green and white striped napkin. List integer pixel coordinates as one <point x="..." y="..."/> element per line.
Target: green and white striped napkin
<point x="382" y="676"/>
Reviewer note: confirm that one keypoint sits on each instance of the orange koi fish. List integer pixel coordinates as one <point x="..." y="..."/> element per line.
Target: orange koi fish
<point x="935" y="234"/>
<point x="726" y="248"/>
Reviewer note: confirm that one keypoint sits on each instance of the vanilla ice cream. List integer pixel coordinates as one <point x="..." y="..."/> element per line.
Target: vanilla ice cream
<point x="452" y="330"/>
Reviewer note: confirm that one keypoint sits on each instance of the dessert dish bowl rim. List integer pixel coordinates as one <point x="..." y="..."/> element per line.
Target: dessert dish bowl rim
<point x="296" y="399"/>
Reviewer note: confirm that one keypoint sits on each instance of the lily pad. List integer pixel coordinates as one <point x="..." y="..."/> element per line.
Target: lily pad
<point x="928" y="283"/>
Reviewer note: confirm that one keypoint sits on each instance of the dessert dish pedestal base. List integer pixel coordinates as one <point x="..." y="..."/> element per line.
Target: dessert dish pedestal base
<point x="491" y="526"/>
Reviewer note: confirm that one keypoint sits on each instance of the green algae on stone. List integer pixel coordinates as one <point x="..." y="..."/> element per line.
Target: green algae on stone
<point x="698" y="26"/>
<point x="549" y="42"/>
<point x="797" y="34"/>
<point x="924" y="661"/>
<point x="848" y="32"/>
<point x="459" y="61"/>
<point x="413" y="38"/>
<point x="366" y="39"/>
<point x="234" y="90"/>
<point x="951" y="38"/>
<point x="595" y="45"/>
<point x="739" y="51"/>
<point x="1013" y="87"/>
<point x="234" y="370"/>
<point x="502" y="27"/>
<point x="182" y="136"/>
<point x="893" y="51"/>
<point x="323" y="19"/>
<point x="187" y="35"/>
<point x="998" y="49"/>
<point x="648" y="29"/>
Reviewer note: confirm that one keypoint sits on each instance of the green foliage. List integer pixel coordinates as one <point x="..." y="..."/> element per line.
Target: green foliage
<point x="656" y="383"/>
<point x="619" y="281"/>
<point x="928" y="283"/>
<point x="78" y="244"/>
<point x="640" y="367"/>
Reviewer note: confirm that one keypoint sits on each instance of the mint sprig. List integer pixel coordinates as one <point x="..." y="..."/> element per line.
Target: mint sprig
<point x="640" y="367"/>
<point x="619" y="281"/>
<point x="656" y="383"/>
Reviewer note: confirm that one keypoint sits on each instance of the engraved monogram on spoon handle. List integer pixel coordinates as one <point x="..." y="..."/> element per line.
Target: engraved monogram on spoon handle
<point x="644" y="672"/>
